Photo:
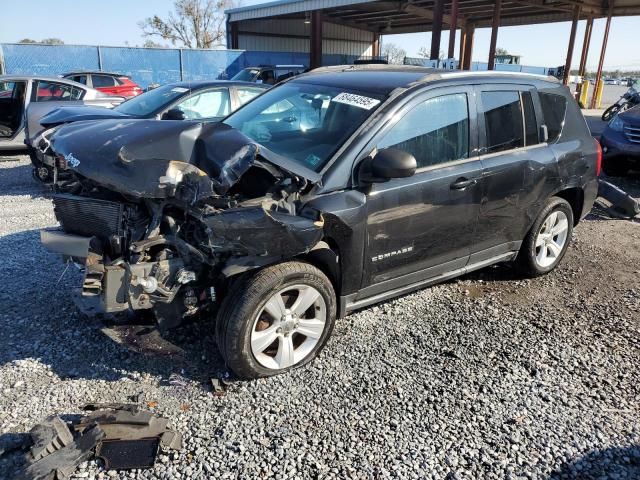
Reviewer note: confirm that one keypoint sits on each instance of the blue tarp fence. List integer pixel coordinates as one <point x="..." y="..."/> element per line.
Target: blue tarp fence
<point x="144" y="65"/>
<point x="163" y="65"/>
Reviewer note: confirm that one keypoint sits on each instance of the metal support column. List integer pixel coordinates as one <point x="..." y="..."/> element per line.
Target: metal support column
<point x="572" y="42"/>
<point x="463" y="43"/>
<point x="375" y="45"/>
<point x="453" y="27"/>
<point x="436" y="28"/>
<point x="468" y="47"/>
<point x="315" y="58"/>
<point x="585" y="47"/>
<point x="494" y="35"/>
<point x="603" y="50"/>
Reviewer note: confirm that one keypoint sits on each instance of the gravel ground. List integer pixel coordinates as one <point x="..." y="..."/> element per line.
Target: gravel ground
<point x="487" y="377"/>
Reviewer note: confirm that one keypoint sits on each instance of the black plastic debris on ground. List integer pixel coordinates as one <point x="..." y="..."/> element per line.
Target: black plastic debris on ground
<point x="123" y="436"/>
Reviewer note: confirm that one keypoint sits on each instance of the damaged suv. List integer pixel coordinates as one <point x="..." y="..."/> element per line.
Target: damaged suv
<point x="335" y="190"/>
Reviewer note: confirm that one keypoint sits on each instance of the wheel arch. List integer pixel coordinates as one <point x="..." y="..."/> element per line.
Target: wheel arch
<point x="575" y="197"/>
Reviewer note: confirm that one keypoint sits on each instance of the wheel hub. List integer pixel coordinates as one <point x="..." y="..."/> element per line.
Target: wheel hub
<point x="288" y="323"/>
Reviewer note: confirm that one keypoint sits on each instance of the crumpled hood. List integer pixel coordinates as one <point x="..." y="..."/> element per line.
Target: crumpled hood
<point x="78" y="113"/>
<point x="149" y="158"/>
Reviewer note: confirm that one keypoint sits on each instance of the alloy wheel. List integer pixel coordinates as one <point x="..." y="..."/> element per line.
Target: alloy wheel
<point x="551" y="239"/>
<point x="288" y="327"/>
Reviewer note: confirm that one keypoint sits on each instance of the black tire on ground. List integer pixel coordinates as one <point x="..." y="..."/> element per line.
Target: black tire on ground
<point x="526" y="260"/>
<point x="610" y="112"/>
<point x="616" y="166"/>
<point x="246" y="298"/>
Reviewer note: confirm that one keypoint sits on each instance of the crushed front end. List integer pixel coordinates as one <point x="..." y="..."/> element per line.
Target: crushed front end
<point x="160" y="234"/>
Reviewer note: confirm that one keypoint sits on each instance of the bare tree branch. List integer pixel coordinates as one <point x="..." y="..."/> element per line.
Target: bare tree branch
<point x="192" y="24"/>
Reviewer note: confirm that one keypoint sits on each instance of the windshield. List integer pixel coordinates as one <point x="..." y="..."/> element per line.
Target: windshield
<point x="151" y="101"/>
<point x="246" y="75"/>
<point x="304" y="122"/>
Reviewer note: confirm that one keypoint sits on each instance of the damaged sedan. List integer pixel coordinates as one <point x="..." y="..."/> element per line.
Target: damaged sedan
<point x="335" y="190"/>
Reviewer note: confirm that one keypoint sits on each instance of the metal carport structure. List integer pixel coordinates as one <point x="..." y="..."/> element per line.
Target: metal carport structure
<point x="314" y="25"/>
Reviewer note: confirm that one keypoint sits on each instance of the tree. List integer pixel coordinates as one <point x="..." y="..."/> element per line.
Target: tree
<point x="394" y="53"/>
<point x="501" y="51"/>
<point x="46" y="41"/>
<point x="426" y="53"/>
<point x="152" y="44"/>
<point x="52" y="41"/>
<point x="192" y="24"/>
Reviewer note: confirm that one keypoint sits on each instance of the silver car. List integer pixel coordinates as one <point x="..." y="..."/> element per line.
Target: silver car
<point x="24" y="99"/>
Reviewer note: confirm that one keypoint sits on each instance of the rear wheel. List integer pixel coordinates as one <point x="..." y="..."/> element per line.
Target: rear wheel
<point x="276" y="319"/>
<point x="610" y="112"/>
<point x="548" y="240"/>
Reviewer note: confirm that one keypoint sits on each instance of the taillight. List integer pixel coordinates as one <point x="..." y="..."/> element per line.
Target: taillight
<point x="598" y="158"/>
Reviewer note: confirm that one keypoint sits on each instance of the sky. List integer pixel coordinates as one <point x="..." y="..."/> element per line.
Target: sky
<point x="116" y="23"/>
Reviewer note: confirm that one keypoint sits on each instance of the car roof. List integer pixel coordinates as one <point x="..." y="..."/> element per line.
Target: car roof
<point x="95" y="72"/>
<point x="45" y="78"/>
<point x="384" y="79"/>
<point x="217" y="83"/>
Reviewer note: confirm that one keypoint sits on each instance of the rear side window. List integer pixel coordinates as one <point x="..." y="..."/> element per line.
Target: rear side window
<point x="54" y="91"/>
<point x="102" y="81"/>
<point x="554" y="108"/>
<point x="435" y="131"/>
<point x="503" y="120"/>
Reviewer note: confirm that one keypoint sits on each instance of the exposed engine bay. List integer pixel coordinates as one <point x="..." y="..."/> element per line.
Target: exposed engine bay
<point x="160" y="220"/>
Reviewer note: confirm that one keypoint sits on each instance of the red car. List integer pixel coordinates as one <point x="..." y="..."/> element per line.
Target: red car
<point x="109" y="83"/>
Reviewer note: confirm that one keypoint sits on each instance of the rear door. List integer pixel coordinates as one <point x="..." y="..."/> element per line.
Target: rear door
<point x="514" y="164"/>
<point x="422" y="226"/>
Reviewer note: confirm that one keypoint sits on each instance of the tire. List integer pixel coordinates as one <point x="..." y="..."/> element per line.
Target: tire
<point x="610" y="112"/>
<point x="616" y="167"/>
<point x="244" y="314"/>
<point x="532" y="260"/>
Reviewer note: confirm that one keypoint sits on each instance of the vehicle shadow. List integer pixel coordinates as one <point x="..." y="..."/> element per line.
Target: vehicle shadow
<point x="17" y="179"/>
<point x="39" y="321"/>
<point x="617" y="462"/>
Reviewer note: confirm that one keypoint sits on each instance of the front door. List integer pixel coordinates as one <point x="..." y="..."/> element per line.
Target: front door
<point x="423" y="226"/>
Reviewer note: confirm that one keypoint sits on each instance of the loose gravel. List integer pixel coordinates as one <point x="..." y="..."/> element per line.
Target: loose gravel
<point x="487" y="377"/>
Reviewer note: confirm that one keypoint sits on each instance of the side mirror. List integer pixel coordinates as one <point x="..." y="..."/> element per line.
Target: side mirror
<point x="390" y="163"/>
<point x="173" y="114"/>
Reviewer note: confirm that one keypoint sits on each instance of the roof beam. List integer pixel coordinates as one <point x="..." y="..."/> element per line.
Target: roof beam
<point x="405" y="6"/>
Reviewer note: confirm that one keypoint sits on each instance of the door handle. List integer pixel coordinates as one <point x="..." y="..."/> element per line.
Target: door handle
<point x="462" y="183"/>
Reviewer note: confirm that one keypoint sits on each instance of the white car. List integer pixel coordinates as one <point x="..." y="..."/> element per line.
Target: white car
<point x="24" y="99"/>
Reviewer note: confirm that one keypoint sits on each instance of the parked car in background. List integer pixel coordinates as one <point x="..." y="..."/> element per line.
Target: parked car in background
<point x="24" y="99"/>
<point x="202" y="101"/>
<point x="269" y="74"/>
<point x="621" y="143"/>
<point x="389" y="180"/>
<point x="109" y="83"/>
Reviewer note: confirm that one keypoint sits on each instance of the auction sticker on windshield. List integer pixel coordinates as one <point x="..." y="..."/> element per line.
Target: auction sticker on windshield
<point x="356" y="100"/>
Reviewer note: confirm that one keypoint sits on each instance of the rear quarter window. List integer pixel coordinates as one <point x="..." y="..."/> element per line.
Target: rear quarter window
<point x="554" y="109"/>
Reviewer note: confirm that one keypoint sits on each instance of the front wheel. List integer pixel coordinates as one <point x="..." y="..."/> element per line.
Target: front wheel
<point x="276" y="319"/>
<point x="548" y="240"/>
<point x="610" y="112"/>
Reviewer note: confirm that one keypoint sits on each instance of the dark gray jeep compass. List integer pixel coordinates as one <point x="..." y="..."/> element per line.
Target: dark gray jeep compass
<point x="337" y="189"/>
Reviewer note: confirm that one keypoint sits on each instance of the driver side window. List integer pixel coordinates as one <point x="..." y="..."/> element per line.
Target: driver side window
<point x="435" y="131"/>
<point x="209" y="104"/>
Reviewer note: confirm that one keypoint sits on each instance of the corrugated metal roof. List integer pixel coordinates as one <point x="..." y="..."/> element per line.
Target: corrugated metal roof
<point x="402" y="16"/>
<point x="285" y="7"/>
